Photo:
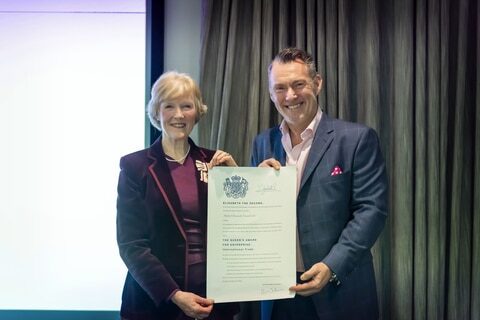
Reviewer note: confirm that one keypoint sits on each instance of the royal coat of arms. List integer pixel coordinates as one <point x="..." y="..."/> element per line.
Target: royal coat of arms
<point x="235" y="187"/>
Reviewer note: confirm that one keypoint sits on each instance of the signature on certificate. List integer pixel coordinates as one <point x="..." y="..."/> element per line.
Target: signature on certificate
<point x="266" y="289"/>
<point x="262" y="188"/>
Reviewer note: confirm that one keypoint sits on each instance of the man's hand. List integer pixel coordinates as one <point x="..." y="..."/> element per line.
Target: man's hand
<point x="270" y="163"/>
<point x="316" y="278"/>
<point x="192" y="305"/>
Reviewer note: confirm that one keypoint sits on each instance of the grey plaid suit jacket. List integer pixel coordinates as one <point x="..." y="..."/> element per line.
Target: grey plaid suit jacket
<point x="339" y="217"/>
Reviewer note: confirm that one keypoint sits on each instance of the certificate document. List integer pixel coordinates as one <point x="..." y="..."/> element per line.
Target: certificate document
<point x="251" y="233"/>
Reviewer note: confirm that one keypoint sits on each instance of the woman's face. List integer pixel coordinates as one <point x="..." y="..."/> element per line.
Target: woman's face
<point x="177" y="117"/>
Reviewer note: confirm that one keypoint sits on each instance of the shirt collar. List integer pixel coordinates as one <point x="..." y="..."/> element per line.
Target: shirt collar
<point x="309" y="130"/>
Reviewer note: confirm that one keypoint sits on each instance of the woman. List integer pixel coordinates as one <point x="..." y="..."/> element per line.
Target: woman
<point x="162" y="212"/>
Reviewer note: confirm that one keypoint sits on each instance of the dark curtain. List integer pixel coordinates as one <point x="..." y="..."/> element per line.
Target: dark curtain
<point x="410" y="70"/>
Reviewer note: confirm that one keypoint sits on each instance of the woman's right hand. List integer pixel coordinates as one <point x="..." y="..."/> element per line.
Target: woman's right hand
<point x="193" y="305"/>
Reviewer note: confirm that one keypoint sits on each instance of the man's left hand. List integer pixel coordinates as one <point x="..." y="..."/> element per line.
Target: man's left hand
<point x="315" y="279"/>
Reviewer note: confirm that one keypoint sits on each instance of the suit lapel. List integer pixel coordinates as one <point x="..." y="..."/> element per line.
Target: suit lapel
<point x="161" y="174"/>
<point x="163" y="179"/>
<point x="278" y="151"/>
<point x="321" y="141"/>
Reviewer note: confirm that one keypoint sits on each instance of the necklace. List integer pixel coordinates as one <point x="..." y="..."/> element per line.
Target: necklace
<point x="181" y="159"/>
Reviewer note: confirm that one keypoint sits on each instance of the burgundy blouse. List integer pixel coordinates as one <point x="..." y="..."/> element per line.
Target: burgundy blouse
<point x="185" y="180"/>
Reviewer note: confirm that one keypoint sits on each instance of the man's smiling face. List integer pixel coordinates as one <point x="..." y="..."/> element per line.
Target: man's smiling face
<point x="294" y="93"/>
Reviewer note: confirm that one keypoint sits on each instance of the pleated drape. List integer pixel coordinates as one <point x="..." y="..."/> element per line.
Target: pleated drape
<point x="409" y="69"/>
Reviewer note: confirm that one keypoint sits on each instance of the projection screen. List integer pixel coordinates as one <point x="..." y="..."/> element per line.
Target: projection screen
<point x="72" y="99"/>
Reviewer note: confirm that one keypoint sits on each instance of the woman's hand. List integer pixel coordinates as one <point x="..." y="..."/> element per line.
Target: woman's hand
<point x="222" y="158"/>
<point x="192" y="305"/>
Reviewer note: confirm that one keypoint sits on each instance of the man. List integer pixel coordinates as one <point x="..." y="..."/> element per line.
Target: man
<point x="341" y="195"/>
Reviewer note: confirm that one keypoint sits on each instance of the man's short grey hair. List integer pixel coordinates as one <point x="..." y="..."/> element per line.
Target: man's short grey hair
<point x="294" y="54"/>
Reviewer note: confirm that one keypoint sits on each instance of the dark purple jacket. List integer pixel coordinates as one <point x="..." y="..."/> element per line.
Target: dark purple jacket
<point x="150" y="234"/>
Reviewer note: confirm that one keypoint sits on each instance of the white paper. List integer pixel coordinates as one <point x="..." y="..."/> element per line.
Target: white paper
<point x="251" y="233"/>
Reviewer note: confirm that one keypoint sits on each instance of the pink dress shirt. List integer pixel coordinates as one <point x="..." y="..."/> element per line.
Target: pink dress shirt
<point x="297" y="156"/>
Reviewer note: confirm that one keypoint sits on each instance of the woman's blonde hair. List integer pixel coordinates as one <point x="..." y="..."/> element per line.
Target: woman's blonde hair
<point x="170" y="86"/>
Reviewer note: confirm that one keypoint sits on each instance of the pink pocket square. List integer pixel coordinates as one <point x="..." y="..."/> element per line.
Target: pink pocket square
<point x="336" y="170"/>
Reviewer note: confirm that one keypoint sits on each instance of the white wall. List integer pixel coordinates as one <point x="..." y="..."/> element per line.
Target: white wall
<point x="72" y="87"/>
